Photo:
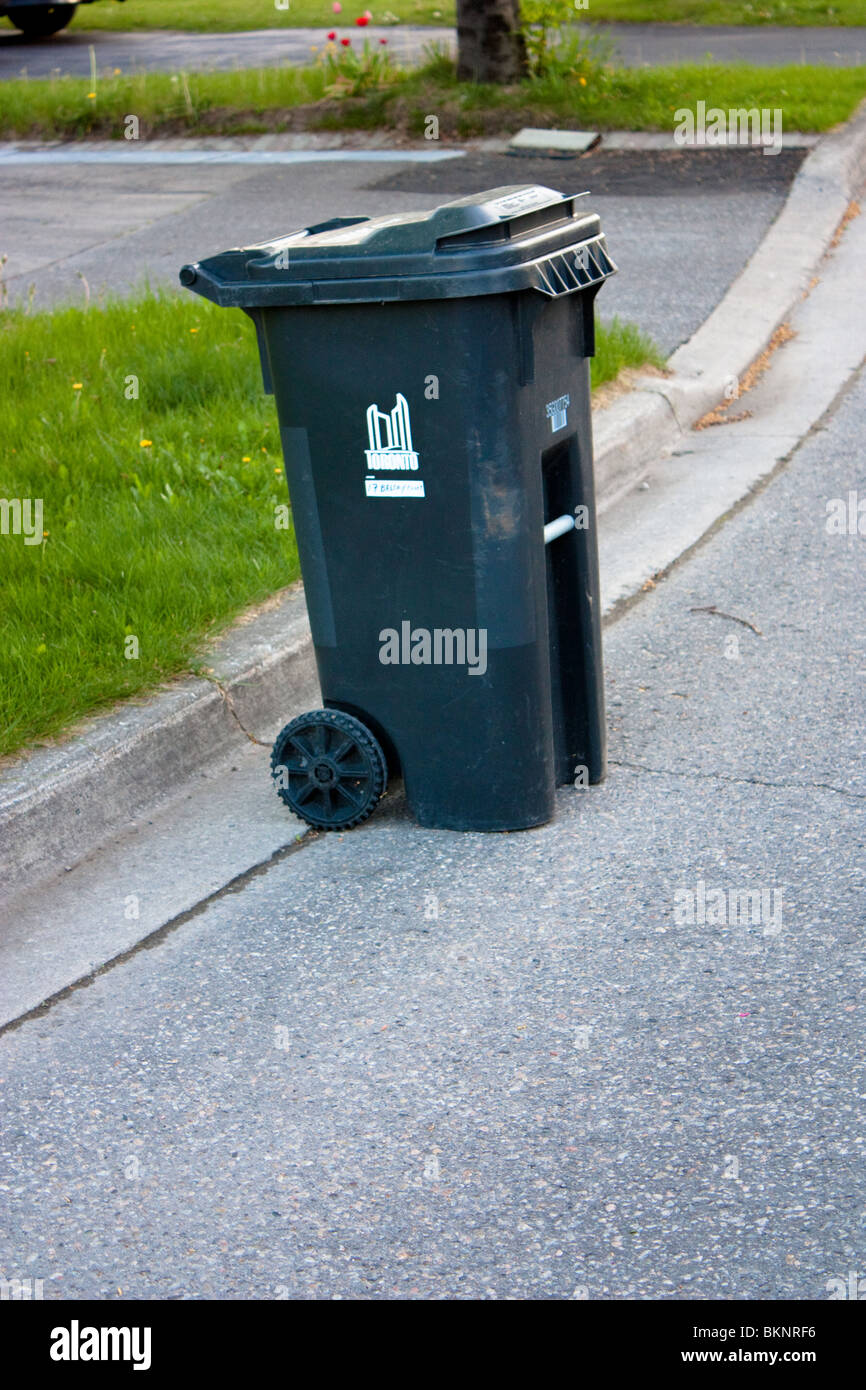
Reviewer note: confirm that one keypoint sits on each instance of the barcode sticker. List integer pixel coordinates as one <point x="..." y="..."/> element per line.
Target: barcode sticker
<point x="394" y="487"/>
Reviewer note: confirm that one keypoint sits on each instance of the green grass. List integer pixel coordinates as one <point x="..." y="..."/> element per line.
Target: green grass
<point x="234" y="15"/>
<point x="620" y="345"/>
<point x="164" y="542"/>
<point x="163" y="102"/>
<point x="810" y="98"/>
<point x="274" y="99"/>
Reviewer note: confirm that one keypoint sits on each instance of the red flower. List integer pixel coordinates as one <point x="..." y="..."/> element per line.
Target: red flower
<point x="383" y="40"/>
<point x="362" y="20"/>
<point x="345" y="42"/>
<point x="332" y="35"/>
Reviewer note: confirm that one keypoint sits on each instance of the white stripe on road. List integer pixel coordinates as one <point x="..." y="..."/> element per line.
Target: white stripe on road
<point x="77" y="155"/>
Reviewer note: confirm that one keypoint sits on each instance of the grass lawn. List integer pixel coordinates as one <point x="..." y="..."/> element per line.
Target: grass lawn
<point x="158" y="512"/>
<point x="233" y="15"/>
<point x="589" y="95"/>
<point x="160" y="540"/>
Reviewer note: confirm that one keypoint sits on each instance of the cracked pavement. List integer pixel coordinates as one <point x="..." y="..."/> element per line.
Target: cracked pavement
<point x="561" y="1063"/>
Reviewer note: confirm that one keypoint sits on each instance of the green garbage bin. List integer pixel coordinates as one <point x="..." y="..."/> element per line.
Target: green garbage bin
<point x="431" y="377"/>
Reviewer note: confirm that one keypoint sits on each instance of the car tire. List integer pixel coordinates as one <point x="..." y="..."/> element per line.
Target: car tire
<point x="41" y="21"/>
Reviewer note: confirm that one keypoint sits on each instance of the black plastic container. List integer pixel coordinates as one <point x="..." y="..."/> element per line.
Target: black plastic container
<point x="431" y="376"/>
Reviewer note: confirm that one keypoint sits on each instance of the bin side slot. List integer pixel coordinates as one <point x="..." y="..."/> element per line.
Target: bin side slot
<point x="574" y="614"/>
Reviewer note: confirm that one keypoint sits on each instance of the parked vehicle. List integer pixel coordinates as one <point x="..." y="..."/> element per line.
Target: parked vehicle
<point x="36" y="20"/>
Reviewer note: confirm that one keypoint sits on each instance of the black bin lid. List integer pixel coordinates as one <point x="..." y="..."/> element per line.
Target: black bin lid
<point x="523" y="236"/>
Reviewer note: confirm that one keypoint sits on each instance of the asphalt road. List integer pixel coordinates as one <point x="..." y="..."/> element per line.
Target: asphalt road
<point x="121" y="223"/>
<point x="409" y="1063"/>
<point x="165" y="51"/>
<point x="632" y="44"/>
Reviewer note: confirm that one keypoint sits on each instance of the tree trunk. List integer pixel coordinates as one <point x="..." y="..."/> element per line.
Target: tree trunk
<point x="490" y="45"/>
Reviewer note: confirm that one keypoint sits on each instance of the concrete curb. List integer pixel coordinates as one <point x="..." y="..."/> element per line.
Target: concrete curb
<point x="652" y="418"/>
<point x="57" y="805"/>
<point x="60" y="804"/>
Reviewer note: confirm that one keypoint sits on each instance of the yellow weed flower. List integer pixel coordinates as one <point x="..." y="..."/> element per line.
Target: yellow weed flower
<point x="77" y="386"/>
<point x="145" y="443"/>
<point x="91" y="96"/>
<point x="582" y="81"/>
<point x="246" y="459"/>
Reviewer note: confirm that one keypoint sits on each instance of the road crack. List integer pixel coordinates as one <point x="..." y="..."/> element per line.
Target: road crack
<point x="230" y="706"/>
<point x="738" y="781"/>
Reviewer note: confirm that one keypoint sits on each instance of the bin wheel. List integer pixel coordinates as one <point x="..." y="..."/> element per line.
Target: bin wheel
<point x="329" y="769"/>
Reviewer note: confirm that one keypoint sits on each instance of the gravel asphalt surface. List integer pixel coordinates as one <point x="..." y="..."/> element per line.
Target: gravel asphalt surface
<point x="632" y="44"/>
<point x="681" y="224"/>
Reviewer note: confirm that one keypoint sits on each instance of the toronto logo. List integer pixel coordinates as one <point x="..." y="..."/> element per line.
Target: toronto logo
<point x="390" y="447"/>
<point x="390" y="437"/>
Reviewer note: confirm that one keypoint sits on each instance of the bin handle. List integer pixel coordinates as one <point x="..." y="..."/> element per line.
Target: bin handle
<point x="557" y="528"/>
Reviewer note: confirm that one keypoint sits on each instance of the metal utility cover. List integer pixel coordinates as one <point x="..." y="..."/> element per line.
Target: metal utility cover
<point x="559" y="142"/>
